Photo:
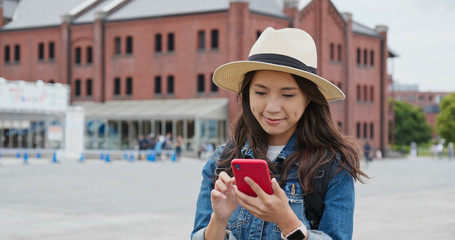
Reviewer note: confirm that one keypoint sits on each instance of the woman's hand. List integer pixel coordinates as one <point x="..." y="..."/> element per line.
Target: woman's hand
<point x="271" y="208"/>
<point x="224" y="199"/>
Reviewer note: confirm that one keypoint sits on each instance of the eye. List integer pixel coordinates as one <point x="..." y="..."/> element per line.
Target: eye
<point x="288" y="95"/>
<point x="259" y="93"/>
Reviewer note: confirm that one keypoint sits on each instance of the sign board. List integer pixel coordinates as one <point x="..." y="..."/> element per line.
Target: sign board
<point x="74" y="133"/>
<point x="20" y="96"/>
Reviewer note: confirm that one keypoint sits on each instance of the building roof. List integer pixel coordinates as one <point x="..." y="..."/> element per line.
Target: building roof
<point x="362" y="29"/>
<point x="38" y="13"/>
<point x="207" y="108"/>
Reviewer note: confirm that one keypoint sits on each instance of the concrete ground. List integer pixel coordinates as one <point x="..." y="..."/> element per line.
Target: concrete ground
<point x="404" y="199"/>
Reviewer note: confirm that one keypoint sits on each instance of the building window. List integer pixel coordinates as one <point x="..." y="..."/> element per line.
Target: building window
<point x="88" y="87"/>
<point x="77" y="55"/>
<point x="340" y="52"/>
<point x="129" y="45"/>
<point x="359" y="56"/>
<point x="371" y="130"/>
<point x="170" y="42"/>
<point x="371" y="94"/>
<point x="365" y="93"/>
<point x="411" y="98"/>
<point x="116" y="86"/>
<point x="365" y="130"/>
<point x="129" y="86"/>
<point x="41" y="51"/>
<point x="89" y="54"/>
<point x="7" y="53"/>
<point x="117" y="45"/>
<point x="77" y="88"/>
<point x="371" y="58"/>
<point x="170" y="84"/>
<point x="358" y="130"/>
<point x="17" y="53"/>
<point x="201" y="40"/>
<point x="51" y="50"/>
<point x="421" y="98"/>
<point x="158" y="85"/>
<point x="213" y="87"/>
<point x="332" y="52"/>
<point x="359" y="93"/>
<point x="200" y="83"/>
<point x="158" y="43"/>
<point x="365" y="57"/>
<point x="214" y="39"/>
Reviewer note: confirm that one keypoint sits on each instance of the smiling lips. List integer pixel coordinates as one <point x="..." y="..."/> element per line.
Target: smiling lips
<point x="272" y="121"/>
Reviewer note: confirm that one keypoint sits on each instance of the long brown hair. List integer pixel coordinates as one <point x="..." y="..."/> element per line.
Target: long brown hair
<point x="318" y="139"/>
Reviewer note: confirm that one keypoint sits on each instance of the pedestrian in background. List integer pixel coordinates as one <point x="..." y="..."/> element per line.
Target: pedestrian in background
<point x="178" y="147"/>
<point x="450" y="150"/>
<point x="285" y="120"/>
<point x="366" y="152"/>
<point x="440" y="149"/>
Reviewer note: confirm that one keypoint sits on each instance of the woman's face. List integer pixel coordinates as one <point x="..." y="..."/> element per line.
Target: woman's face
<point x="277" y="103"/>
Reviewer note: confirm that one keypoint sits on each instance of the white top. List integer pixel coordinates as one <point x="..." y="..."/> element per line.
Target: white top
<point x="273" y="151"/>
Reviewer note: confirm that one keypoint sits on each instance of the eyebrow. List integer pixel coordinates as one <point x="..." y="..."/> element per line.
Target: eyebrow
<point x="284" y="88"/>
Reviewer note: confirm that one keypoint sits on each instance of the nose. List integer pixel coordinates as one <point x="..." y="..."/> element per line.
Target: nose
<point x="273" y="106"/>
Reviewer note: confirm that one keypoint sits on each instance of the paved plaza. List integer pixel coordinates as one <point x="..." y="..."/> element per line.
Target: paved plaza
<point x="120" y="200"/>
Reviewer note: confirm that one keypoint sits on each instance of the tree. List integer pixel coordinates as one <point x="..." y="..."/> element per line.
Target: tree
<point x="445" y="121"/>
<point x="410" y="124"/>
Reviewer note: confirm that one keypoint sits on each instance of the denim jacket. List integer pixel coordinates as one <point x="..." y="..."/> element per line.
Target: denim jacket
<point x="336" y="221"/>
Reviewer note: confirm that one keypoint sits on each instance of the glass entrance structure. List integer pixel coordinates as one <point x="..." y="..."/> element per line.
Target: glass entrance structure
<point x="118" y="124"/>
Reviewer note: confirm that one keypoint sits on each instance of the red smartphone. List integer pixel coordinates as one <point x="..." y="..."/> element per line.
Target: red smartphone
<point x="256" y="169"/>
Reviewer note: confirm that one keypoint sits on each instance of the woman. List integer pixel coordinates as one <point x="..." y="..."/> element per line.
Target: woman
<point x="285" y="120"/>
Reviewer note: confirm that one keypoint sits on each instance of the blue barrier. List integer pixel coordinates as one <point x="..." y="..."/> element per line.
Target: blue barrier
<point x="38" y="154"/>
<point x="132" y="156"/>
<point x="18" y="154"/>
<point x="101" y="156"/>
<point x="54" y="157"/>
<point x="25" y="158"/>
<point x="108" y="158"/>
<point x="125" y="155"/>
<point x="173" y="157"/>
<point x="81" y="159"/>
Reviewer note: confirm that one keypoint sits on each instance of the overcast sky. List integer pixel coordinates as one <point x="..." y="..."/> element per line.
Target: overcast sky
<point x="421" y="32"/>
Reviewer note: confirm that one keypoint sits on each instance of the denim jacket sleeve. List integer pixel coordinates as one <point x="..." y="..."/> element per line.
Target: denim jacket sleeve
<point x="204" y="205"/>
<point x="338" y="217"/>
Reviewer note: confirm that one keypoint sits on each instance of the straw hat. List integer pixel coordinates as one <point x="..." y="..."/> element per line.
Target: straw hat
<point x="289" y="50"/>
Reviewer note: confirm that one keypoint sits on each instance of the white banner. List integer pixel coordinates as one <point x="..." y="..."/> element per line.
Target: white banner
<point x="74" y="133"/>
<point x="20" y="96"/>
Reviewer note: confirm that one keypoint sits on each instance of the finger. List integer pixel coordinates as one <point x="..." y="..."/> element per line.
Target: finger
<point x="244" y="200"/>
<point x="256" y="188"/>
<point x="226" y="178"/>
<point x="217" y="194"/>
<point x="220" y="186"/>
<point x="277" y="190"/>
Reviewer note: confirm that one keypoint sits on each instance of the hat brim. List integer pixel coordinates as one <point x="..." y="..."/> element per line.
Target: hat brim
<point x="230" y="75"/>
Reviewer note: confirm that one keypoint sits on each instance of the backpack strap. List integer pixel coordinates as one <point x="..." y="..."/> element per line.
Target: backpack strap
<point x="314" y="201"/>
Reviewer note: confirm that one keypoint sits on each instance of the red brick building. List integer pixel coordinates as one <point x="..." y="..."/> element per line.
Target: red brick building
<point x="139" y="52"/>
